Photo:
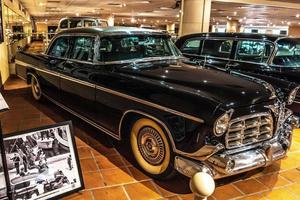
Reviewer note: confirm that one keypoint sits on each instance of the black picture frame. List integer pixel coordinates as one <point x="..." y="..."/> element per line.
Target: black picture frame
<point x="3" y="167"/>
<point x="72" y="187"/>
<point x="1" y="24"/>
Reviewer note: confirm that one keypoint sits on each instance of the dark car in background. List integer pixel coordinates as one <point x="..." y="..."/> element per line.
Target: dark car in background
<point x="275" y="59"/>
<point x="132" y="83"/>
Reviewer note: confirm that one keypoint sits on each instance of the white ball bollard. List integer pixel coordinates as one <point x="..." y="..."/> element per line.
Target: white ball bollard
<point x="202" y="185"/>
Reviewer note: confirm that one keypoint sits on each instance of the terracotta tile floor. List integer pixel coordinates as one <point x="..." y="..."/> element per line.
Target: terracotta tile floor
<point x="110" y="172"/>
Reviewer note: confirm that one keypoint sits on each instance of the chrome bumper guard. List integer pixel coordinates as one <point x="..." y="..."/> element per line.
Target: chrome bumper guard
<point x="223" y="164"/>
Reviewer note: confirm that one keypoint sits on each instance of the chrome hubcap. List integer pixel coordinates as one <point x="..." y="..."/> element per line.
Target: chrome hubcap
<point x="151" y="146"/>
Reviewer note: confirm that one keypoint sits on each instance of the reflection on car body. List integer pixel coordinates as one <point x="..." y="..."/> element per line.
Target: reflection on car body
<point x="133" y="83"/>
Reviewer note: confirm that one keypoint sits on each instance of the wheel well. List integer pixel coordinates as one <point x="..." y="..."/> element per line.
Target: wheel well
<point x="29" y="73"/>
<point x="126" y="123"/>
<point x="131" y="116"/>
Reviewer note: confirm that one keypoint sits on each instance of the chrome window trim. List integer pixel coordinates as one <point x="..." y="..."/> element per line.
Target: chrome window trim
<point x="261" y="63"/>
<point x="145" y="102"/>
<point x="217" y="38"/>
<point x="237" y="39"/>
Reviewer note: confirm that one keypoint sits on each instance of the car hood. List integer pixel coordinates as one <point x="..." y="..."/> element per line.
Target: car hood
<point x="229" y="90"/>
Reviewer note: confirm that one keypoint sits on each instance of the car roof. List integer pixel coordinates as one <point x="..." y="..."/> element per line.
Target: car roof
<point x="258" y="36"/>
<point x="110" y="31"/>
<point x="81" y="17"/>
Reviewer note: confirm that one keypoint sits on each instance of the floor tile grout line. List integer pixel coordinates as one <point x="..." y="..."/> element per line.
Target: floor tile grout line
<point x="156" y="188"/>
<point x="117" y="185"/>
<point x="238" y="189"/>
<point x="126" y="193"/>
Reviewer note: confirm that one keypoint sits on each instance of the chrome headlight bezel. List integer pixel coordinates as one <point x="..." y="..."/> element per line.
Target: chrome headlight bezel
<point x="292" y="95"/>
<point x="221" y="125"/>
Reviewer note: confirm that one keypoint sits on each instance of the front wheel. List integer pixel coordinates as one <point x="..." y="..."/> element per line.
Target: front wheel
<point x="36" y="88"/>
<point x="151" y="149"/>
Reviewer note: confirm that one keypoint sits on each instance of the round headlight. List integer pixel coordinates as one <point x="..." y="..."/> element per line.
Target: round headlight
<point x="292" y="95"/>
<point x="222" y="123"/>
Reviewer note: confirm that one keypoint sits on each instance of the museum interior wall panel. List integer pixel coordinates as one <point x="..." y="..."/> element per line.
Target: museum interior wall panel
<point x="294" y="31"/>
<point x="4" y="67"/>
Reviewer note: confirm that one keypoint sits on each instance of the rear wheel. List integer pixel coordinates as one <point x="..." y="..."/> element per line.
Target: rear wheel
<point x="151" y="149"/>
<point x="36" y="88"/>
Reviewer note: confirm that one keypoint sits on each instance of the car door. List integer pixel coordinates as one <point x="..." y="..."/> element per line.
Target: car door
<point x="53" y="60"/>
<point x="217" y="52"/>
<point x="77" y="92"/>
<point x="191" y="49"/>
<point x="253" y="56"/>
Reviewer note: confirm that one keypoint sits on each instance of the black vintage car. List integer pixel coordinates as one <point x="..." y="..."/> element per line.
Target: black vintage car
<point x="132" y="83"/>
<point x="275" y="59"/>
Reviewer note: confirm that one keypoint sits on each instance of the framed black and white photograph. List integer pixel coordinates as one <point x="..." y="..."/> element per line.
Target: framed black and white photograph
<point x="43" y="163"/>
<point x="3" y="104"/>
<point x="3" y="184"/>
<point x="1" y="24"/>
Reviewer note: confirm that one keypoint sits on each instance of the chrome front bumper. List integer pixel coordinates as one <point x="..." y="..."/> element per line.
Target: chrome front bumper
<point x="225" y="164"/>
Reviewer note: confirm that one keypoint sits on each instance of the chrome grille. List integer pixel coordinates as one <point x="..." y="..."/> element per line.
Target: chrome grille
<point x="249" y="129"/>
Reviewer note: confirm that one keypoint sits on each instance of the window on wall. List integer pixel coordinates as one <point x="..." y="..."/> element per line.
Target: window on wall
<point x="191" y="46"/>
<point x="83" y="49"/>
<point x="217" y="48"/>
<point x="254" y="51"/>
<point x="59" y="47"/>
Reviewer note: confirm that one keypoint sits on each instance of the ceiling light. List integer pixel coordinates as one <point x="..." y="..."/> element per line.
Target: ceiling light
<point x="41" y="4"/>
<point x="124" y="5"/>
<point x="251" y="25"/>
<point x="217" y="23"/>
<point x="178" y="15"/>
<point x="274" y="25"/>
<point x="132" y="20"/>
<point x="245" y="18"/>
<point x="240" y="20"/>
<point x="77" y="14"/>
<point x="144" y="20"/>
<point x="166" y="20"/>
<point x="234" y="13"/>
<point x="288" y="23"/>
<point x="298" y="15"/>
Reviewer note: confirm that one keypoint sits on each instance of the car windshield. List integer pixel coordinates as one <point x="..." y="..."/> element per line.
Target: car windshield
<point x="288" y="53"/>
<point x="121" y="48"/>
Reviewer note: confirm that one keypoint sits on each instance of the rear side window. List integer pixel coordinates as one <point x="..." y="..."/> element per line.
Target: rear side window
<point x="191" y="46"/>
<point x="83" y="49"/>
<point x="64" y="24"/>
<point x="74" y="23"/>
<point x="217" y="48"/>
<point x="59" y="47"/>
<point x="89" y="23"/>
<point x="254" y="51"/>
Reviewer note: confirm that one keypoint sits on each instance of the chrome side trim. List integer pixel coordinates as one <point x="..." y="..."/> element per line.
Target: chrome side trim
<point x="117" y="93"/>
<point x="150" y="104"/>
<point x="101" y="128"/>
<point x="78" y="81"/>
